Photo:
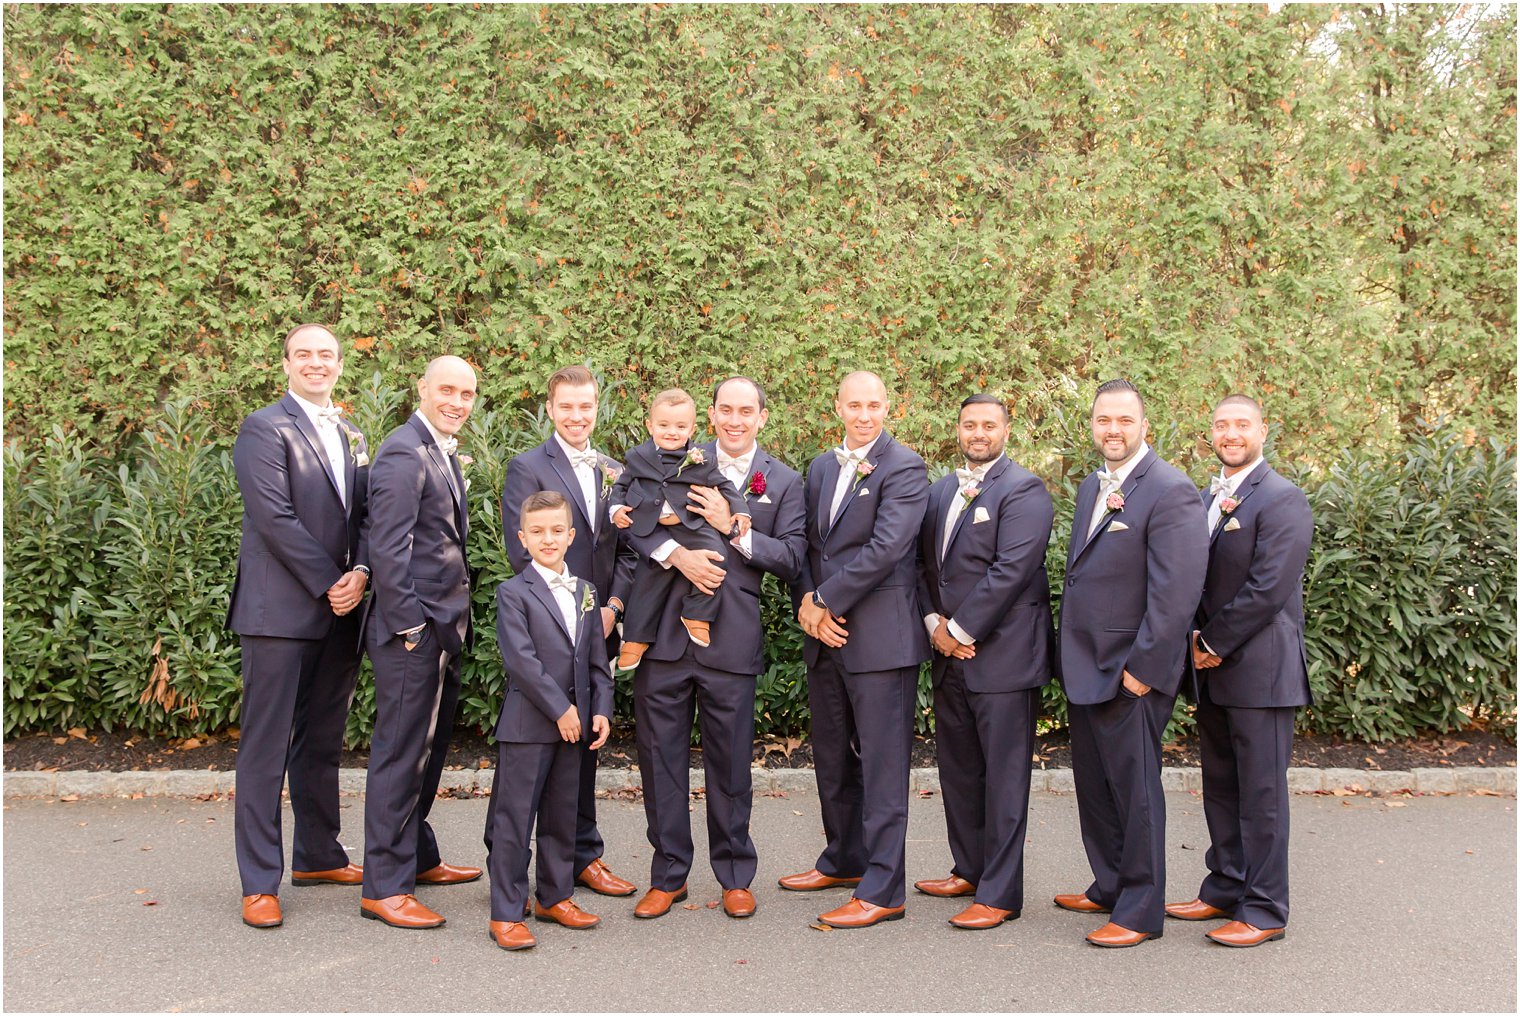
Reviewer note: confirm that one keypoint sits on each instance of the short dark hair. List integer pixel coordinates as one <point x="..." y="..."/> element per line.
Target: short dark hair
<point x="739" y="377"/>
<point x="984" y="399"/>
<point x="1118" y="384"/>
<point x="1238" y="399"/>
<point x="542" y="500"/>
<point x="576" y="375"/>
<point x="285" y="342"/>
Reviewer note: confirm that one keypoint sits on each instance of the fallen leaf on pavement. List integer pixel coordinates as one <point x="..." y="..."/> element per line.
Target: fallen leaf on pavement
<point x="150" y="903"/>
<point x="691" y="906"/>
<point x="70" y="798"/>
<point x="139" y="892"/>
<point x="77" y="732"/>
<point x="820" y="927"/>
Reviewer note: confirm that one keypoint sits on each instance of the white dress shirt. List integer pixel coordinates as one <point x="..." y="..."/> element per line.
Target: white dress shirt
<point x="1118" y="476"/>
<point x="1232" y="484"/>
<point x="957" y="506"/>
<point x="847" y="477"/>
<point x="563" y="598"/>
<point x="586" y="474"/>
<point x="332" y="442"/>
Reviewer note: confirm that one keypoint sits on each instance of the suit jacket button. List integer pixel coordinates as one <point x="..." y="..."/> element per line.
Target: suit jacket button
<point x="825" y="557"/>
<point x="1071" y="582"/>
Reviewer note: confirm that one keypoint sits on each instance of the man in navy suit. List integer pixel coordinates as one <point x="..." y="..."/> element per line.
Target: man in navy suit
<point x="559" y="693"/>
<point x="717" y="682"/>
<point x="1248" y="656"/>
<point x="857" y="601"/>
<point x="568" y="463"/>
<point x="1134" y="572"/>
<point x="417" y="626"/>
<point x="986" y="604"/>
<point x="303" y="474"/>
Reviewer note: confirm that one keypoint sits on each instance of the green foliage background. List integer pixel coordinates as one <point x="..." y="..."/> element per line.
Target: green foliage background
<point x="1314" y="204"/>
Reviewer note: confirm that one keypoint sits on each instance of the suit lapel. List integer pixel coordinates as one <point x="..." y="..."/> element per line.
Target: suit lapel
<point x="1130" y="483"/>
<point x="572" y="486"/>
<point x="350" y="462"/>
<point x="1244" y="491"/>
<point x="546" y="597"/>
<point x="308" y="431"/>
<point x="453" y="481"/>
<point x="1082" y="518"/>
<point x="960" y="520"/>
<point x="828" y="479"/>
<point x="858" y="481"/>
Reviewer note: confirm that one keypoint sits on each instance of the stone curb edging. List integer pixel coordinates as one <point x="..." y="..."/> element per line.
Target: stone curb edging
<point x="202" y="783"/>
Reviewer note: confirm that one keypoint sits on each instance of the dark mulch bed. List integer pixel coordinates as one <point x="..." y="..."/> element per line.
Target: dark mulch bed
<point x="122" y="752"/>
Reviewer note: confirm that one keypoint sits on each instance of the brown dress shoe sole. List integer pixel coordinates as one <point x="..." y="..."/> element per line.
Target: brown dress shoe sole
<point x="1013" y="915"/>
<point x="1144" y="936"/>
<point x="276" y="924"/>
<point x="1249" y="945"/>
<point x="898" y="916"/>
<point x="677" y="898"/>
<point x="509" y="948"/>
<point x="404" y="927"/>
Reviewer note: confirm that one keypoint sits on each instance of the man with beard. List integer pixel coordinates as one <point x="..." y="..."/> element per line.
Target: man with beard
<point x="986" y="603"/>
<point x="1248" y="655"/>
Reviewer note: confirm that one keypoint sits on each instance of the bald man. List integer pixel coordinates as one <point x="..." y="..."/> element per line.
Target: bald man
<point x="301" y="469"/>
<point x="857" y="603"/>
<point x="417" y="625"/>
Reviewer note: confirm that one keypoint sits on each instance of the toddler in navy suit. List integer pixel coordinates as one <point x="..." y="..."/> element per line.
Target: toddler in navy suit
<point x="559" y="690"/>
<point x="652" y="492"/>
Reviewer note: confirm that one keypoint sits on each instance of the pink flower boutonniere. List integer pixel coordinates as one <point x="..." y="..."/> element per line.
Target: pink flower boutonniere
<point x="609" y="477"/>
<point x="466" y="460"/>
<point x="356" y="444"/>
<point x="1115" y="502"/>
<point x="863" y="470"/>
<point x="757" y="483"/>
<point x="694" y="457"/>
<point x="1227" y="505"/>
<point x="968" y="494"/>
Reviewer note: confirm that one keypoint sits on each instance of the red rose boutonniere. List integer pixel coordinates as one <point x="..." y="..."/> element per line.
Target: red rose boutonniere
<point x="1227" y="505"/>
<point x="757" y="484"/>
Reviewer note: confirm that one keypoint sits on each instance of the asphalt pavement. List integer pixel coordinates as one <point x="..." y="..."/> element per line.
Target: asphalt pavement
<point x="1398" y="904"/>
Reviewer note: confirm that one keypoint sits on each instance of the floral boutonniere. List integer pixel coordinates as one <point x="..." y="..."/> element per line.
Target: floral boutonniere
<point x="356" y="444"/>
<point x="1115" y="502"/>
<point x="862" y="470"/>
<point x="757" y="484"/>
<point x="465" y="461"/>
<point x="968" y="494"/>
<point x="693" y="457"/>
<point x="1228" y="504"/>
<point x="610" y="475"/>
<point x="588" y="602"/>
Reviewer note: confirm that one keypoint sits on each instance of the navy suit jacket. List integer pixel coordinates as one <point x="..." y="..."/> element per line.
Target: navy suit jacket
<point x="864" y="564"/>
<point x="1252" y="611"/>
<point x="416" y="528"/>
<point x="598" y="554"/>
<point x="648" y="482"/>
<point x="778" y="544"/>
<point x="1132" y="588"/>
<point x="547" y="670"/>
<point x="992" y="580"/>
<point x="297" y="538"/>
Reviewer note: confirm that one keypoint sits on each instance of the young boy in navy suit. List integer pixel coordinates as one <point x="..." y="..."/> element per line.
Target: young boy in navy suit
<point x="558" y="689"/>
<point x="652" y="492"/>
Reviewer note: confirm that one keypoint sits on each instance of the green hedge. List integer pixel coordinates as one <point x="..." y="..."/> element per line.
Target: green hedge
<point x="117" y="581"/>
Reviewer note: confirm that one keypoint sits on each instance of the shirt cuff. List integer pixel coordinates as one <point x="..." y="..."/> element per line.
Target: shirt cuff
<point x="744" y="544"/>
<point x="613" y="509"/>
<point x="1205" y="646"/>
<point x="931" y="622"/>
<point x="662" y="552"/>
<point x="959" y="634"/>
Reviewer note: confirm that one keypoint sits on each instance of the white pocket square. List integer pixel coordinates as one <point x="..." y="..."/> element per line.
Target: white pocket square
<point x="1117" y="527"/>
<point x="763" y="499"/>
<point x="1232" y="525"/>
<point x="863" y="491"/>
<point x="980" y="515"/>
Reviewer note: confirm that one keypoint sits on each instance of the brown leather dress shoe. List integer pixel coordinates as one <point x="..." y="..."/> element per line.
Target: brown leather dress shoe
<point x="403" y="911"/>
<point x="448" y="874"/>
<point x="566" y="914"/>
<point x="860" y="914"/>
<point x="1194" y="911"/>
<point x="349" y="874"/>
<point x="512" y="935"/>
<point x="657" y="902"/>
<point x="1112" y="936"/>
<point x="261" y="910"/>
<point x="1240" y="935"/>
<point x="699" y="632"/>
<point x="980" y="917"/>
<point x="946" y="887"/>
<point x="812" y="880"/>
<point x="599" y="878"/>
<point x="1078" y="903"/>
<point x="738" y="903"/>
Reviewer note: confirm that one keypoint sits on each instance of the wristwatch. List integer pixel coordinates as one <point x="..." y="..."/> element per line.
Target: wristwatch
<point x="362" y="568"/>
<point x="818" y="601"/>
